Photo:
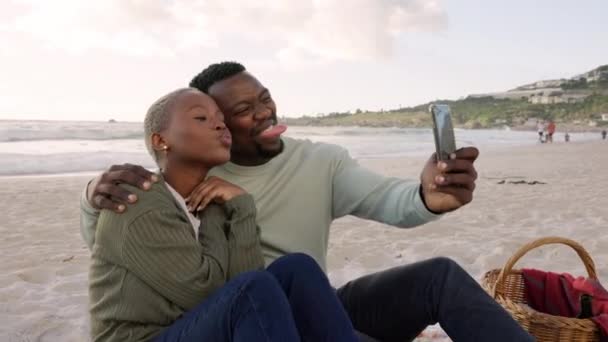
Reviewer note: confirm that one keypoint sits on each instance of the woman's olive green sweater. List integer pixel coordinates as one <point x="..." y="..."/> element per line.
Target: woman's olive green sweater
<point x="148" y="268"/>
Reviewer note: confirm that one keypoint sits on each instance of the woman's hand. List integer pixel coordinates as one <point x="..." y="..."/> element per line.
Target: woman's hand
<point x="212" y="189"/>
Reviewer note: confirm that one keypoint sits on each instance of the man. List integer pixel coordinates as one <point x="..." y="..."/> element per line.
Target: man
<point x="540" y="126"/>
<point x="300" y="187"/>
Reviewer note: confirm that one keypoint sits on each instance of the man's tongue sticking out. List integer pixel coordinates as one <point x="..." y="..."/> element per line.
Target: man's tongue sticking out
<point x="272" y="133"/>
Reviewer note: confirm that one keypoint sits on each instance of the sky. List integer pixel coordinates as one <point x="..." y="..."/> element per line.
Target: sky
<point x="110" y="59"/>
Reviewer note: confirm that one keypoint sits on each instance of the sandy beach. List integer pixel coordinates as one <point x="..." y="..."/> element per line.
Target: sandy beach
<point x="43" y="274"/>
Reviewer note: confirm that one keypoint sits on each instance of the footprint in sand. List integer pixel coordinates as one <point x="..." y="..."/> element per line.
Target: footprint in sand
<point x="61" y="332"/>
<point x="71" y="269"/>
<point x="15" y="337"/>
<point x="71" y="286"/>
<point x="37" y="275"/>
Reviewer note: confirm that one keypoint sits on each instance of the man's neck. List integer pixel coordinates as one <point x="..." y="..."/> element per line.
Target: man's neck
<point x="248" y="160"/>
<point x="184" y="178"/>
<point x="253" y="159"/>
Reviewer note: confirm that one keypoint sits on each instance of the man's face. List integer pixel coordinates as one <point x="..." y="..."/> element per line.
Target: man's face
<point x="250" y="115"/>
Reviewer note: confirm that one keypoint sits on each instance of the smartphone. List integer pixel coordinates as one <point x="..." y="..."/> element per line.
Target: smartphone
<point x="443" y="130"/>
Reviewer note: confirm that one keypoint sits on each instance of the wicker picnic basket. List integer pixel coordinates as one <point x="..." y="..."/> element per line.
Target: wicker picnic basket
<point x="507" y="288"/>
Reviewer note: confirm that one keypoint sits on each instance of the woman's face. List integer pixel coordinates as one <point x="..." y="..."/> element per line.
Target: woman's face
<point x="196" y="133"/>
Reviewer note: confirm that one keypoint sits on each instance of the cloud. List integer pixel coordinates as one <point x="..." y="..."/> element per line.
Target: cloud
<point x="132" y="27"/>
<point x="295" y="31"/>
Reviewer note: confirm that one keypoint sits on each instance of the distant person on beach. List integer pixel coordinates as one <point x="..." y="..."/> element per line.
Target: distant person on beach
<point x="161" y="272"/>
<point x="300" y="187"/>
<point x="567" y="137"/>
<point x="540" y="126"/>
<point x="604" y="134"/>
<point x="550" y="131"/>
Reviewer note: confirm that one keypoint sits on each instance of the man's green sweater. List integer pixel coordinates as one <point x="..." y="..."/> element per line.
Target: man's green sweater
<point x="302" y="190"/>
<point x="148" y="268"/>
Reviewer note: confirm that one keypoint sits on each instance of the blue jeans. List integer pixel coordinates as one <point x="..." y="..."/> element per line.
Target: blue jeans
<point x="397" y="304"/>
<point x="291" y="300"/>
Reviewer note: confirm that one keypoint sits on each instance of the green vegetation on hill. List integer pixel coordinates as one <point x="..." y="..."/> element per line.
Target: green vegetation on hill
<point x="485" y="112"/>
<point x="488" y="112"/>
<point x="582" y="83"/>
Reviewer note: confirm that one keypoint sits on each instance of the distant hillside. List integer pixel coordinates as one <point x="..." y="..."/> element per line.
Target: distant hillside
<point x="576" y="101"/>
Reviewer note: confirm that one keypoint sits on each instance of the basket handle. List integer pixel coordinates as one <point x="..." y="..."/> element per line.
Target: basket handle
<point x="580" y="250"/>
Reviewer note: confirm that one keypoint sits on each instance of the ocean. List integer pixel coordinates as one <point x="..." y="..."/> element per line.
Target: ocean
<point x="55" y="147"/>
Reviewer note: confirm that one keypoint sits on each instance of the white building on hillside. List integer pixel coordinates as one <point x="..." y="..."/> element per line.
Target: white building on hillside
<point x="556" y="96"/>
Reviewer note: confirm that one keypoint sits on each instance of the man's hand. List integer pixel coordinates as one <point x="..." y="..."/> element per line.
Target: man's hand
<point x="212" y="189"/>
<point x="103" y="192"/>
<point x="448" y="185"/>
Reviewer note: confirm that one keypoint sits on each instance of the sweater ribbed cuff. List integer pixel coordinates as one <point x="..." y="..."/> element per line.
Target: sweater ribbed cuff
<point x="423" y="212"/>
<point x="240" y="206"/>
<point x="215" y="244"/>
<point x="84" y="202"/>
<point x="243" y="235"/>
<point x="241" y="213"/>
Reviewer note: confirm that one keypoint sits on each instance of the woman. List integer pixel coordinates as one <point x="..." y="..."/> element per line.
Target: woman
<point x="162" y="273"/>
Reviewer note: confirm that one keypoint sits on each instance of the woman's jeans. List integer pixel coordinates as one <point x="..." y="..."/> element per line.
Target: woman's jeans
<point x="291" y="300"/>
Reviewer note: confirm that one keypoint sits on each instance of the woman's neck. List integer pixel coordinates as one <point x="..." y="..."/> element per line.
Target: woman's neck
<point x="184" y="178"/>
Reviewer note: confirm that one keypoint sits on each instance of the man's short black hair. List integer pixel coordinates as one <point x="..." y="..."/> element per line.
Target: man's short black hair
<point x="215" y="73"/>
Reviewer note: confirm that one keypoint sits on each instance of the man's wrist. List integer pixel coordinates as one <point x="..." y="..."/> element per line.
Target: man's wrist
<point x="422" y="197"/>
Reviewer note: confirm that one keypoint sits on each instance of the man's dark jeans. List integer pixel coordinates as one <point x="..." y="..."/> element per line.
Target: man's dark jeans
<point x="397" y="304"/>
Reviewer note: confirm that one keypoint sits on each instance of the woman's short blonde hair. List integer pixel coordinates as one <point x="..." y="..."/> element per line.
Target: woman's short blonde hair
<point x="158" y="118"/>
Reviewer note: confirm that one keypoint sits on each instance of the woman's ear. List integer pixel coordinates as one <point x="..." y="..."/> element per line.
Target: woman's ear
<point x="159" y="143"/>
